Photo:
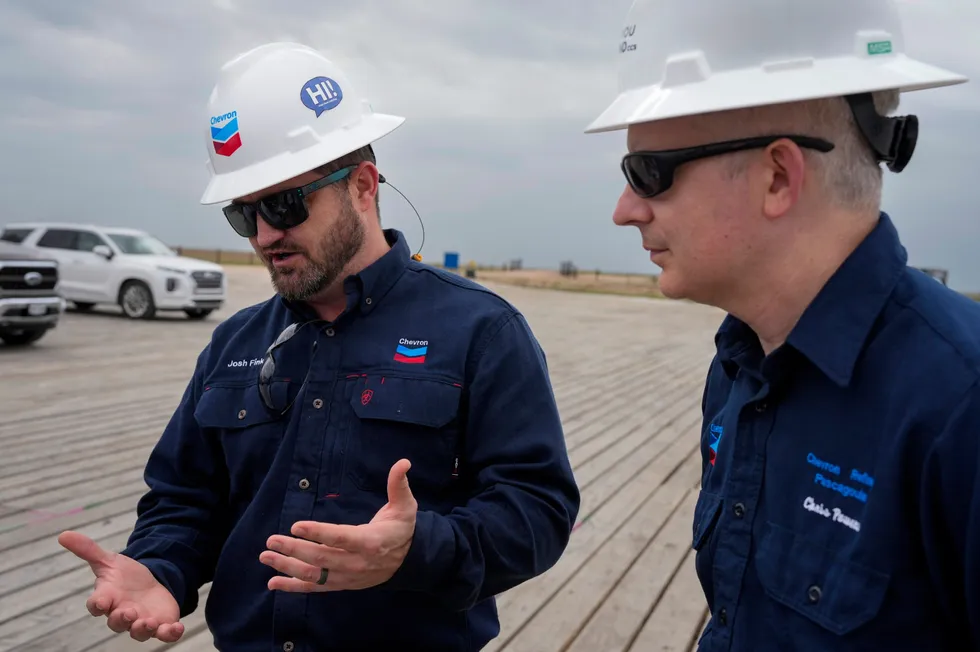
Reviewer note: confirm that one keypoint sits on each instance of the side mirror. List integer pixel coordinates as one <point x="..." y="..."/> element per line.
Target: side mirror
<point x="103" y="250"/>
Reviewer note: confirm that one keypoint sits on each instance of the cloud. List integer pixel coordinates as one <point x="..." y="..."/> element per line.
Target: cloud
<point x="101" y="119"/>
<point x="944" y="33"/>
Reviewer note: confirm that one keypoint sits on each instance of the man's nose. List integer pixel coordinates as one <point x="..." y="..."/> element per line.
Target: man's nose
<point x="265" y="234"/>
<point x="631" y="209"/>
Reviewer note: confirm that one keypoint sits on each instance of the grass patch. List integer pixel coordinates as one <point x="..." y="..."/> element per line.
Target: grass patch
<point x="635" y="285"/>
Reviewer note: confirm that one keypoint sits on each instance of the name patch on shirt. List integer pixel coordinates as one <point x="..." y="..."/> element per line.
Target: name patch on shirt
<point x="835" y="514"/>
<point x="254" y="362"/>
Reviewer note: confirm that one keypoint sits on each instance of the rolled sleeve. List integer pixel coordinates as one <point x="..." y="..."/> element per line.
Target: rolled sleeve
<point x="519" y="521"/>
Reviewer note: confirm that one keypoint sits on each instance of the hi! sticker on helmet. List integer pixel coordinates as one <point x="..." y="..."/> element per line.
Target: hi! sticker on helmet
<point x="225" y="134"/>
<point x="321" y="94"/>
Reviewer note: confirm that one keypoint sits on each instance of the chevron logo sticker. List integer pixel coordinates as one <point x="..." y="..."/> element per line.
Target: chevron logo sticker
<point x="225" y="135"/>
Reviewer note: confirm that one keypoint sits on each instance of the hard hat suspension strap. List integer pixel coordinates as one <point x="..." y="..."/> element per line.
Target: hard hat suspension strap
<point x="891" y="138"/>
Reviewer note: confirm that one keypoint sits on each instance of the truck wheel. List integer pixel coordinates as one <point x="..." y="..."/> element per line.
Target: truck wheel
<point x="136" y="300"/>
<point x="22" y="337"/>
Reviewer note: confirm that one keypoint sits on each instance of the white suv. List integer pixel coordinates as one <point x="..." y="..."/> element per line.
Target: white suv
<point x="123" y="266"/>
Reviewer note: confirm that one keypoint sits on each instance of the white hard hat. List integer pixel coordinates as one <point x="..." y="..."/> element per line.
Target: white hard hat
<point x="698" y="56"/>
<point x="278" y="111"/>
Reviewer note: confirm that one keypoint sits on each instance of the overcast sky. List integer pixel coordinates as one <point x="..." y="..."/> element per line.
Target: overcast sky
<point x="102" y="102"/>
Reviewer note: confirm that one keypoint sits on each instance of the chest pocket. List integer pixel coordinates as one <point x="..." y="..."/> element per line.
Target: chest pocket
<point x="819" y="583"/>
<point x="706" y="514"/>
<point x="705" y="517"/>
<point x="249" y="435"/>
<point x="410" y="418"/>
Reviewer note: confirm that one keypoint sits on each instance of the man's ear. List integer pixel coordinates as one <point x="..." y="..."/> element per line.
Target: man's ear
<point x="785" y="168"/>
<point x="364" y="186"/>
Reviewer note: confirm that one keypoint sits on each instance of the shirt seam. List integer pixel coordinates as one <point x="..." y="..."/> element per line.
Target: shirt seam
<point x="489" y="336"/>
<point x="956" y="412"/>
<point x="461" y="285"/>
<point x="972" y="363"/>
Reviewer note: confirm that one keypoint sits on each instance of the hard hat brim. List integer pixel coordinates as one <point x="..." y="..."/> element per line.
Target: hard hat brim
<point x="289" y="164"/>
<point x="764" y="86"/>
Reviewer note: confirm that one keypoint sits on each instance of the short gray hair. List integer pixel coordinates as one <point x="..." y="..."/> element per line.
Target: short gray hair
<point x="850" y="173"/>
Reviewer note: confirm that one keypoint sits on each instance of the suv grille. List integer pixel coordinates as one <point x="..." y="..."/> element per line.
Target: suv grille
<point x="207" y="280"/>
<point x="24" y="276"/>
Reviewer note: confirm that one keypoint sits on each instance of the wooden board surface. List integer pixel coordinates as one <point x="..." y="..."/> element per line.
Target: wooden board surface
<point x="82" y="408"/>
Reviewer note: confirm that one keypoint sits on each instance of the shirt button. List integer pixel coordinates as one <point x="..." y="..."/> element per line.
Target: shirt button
<point x="328" y="332"/>
<point x="723" y="616"/>
<point x="241" y="414"/>
<point x="318" y="403"/>
<point x="813" y="594"/>
<point x="761" y="407"/>
<point x="288" y="646"/>
<point x="304" y="484"/>
<point x="368" y="301"/>
<point x="739" y="510"/>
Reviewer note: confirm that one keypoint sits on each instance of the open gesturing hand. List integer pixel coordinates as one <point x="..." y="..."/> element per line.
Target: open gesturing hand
<point x="357" y="556"/>
<point x="126" y="592"/>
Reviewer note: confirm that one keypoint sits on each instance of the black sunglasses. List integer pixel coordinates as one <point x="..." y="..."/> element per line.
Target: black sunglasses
<point x="268" y="369"/>
<point x="650" y="173"/>
<point x="282" y="210"/>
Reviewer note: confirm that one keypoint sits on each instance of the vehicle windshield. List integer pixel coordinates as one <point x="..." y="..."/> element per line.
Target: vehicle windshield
<point x="141" y="244"/>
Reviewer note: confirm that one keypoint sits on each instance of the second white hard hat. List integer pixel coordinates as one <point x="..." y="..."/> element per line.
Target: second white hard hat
<point x="280" y="110"/>
<point x="699" y="56"/>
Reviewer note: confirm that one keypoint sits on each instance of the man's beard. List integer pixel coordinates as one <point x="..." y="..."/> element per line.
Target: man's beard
<point x="323" y="265"/>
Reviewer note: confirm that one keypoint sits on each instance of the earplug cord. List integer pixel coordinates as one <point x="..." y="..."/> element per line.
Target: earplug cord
<point x="417" y="255"/>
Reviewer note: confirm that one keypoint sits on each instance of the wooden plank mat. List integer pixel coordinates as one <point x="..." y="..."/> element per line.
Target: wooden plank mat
<point x="82" y="409"/>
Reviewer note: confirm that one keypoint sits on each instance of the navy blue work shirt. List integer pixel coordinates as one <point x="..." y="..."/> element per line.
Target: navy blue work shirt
<point x="423" y="364"/>
<point x="840" y="499"/>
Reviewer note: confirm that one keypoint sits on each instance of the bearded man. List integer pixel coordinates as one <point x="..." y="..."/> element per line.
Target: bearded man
<point x="282" y="477"/>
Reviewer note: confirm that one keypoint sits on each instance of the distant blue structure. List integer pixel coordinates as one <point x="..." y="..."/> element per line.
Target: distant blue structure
<point x="451" y="260"/>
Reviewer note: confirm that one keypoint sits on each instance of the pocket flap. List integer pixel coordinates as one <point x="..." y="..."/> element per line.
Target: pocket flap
<point x="420" y="401"/>
<point x="231" y="407"/>
<point x="705" y="516"/>
<point x="818" y="582"/>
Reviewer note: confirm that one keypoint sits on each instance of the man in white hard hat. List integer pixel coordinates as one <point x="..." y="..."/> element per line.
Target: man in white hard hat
<point x="363" y="461"/>
<point x="840" y="495"/>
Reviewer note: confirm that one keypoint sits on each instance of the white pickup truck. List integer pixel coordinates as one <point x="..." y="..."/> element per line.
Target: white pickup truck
<point x="29" y="302"/>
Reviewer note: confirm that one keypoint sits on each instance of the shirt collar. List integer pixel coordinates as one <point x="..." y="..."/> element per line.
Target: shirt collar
<point x="366" y="288"/>
<point x="835" y="326"/>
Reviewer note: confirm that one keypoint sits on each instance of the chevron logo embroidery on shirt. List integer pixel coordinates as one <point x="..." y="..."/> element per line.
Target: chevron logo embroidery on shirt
<point x="411" y="351"/>
<point x="716" y="433"/>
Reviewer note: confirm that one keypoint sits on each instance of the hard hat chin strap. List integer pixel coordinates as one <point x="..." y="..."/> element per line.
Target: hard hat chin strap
<point x="891" y="138"/>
